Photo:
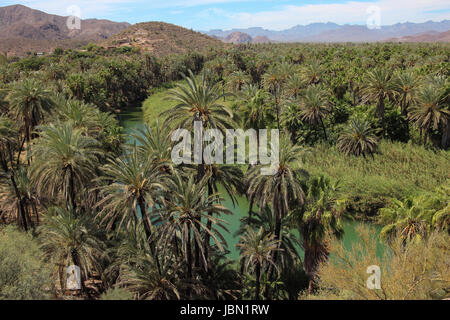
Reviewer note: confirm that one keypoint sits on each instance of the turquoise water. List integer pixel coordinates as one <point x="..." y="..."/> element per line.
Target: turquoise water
<point x="133" y="119"/>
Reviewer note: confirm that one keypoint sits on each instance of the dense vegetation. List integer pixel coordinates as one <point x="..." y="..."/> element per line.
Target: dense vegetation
<point x="365" y="132"/>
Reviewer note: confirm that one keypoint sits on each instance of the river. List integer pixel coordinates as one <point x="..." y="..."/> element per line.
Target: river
<point x="132" y="119"/>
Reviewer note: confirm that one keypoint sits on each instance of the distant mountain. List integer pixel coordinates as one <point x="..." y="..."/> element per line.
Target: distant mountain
<point x="238" y="37"/>
<point x="161" y="39"/>
<point x="18" y="24"/>
<point x="331" y="32"/>
<point x="425" y="37"/>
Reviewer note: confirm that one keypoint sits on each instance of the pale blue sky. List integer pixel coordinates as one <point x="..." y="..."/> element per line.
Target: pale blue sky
<point x="225" y="14"/>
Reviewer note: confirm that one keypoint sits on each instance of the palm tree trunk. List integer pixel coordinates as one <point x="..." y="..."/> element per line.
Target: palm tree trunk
<point x="445" y="143"/>
<point x="72" y="191"/>
<point x="148" y="231"/>
<point x="258" y="281"/>
<point x="208" y="227"/>
<point x="278" y="110"/>
<point x="324" y="130"/>
<point x="277" y="233"/>
<point x="189" y="261"/>
<point x="380" y="111"/>
<point x="21" y="205"/>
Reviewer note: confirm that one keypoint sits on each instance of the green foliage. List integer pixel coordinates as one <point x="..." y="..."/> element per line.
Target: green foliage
<point x="397" y="170"/>
<point x="23" y="275"/>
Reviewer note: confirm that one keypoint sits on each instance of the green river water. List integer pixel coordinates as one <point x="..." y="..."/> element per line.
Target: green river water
<point x="133" y="119"/>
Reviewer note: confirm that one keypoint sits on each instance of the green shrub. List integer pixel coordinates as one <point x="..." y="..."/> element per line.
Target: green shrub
<point x="23" y="275"/>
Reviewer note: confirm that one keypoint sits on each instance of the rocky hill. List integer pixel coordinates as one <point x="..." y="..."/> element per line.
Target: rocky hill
<point x="24" y="29"/>
<point x="238" y="37"/>
<point x="161" y="39"/>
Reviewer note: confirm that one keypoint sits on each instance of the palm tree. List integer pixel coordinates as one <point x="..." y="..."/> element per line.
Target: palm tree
<point x="198" y="101"/>
<point x="181" y="219"/>
<point x="79" y="115"/>
<point x="29" y="102"/>
<point x="273" y="81"/>
<point x="358" y="138"/>
<point x="12" y="196"/>
<point x="430" y="110"/>
<point x="140" y="274"/>
<point x="154" y="144"/>
<point x="19" y="198"/>
<point x="129" y="186"/>
<point x="8" y="140"/>
<point x="252" y="105"/>
<point x="65" y="162"/>
<point x="257" y="250"/>
<point x="265" y="220"/>
<point x="230" y="178"/>
<point x="415" y="217"/>
<point x="281" y="189"/>
<point x="406" y="85"/>
<point x="407" y="217"/>
<point x="69" y="238"/>
<point x="377" y="86"/>
<point x="312" y="73"/>
<point x="316" y="220"/>
<point x="314" y="106"/>
<point x="237" y="80"/>
<point x="294" y="85"/>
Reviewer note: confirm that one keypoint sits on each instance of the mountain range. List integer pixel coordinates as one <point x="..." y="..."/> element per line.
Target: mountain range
<point x="332" y="32"/>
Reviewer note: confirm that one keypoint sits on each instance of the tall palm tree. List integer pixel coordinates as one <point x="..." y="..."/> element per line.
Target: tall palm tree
<point x="140" y="274"/>
<point x="130" y="187"/>
<point x="265" y="220"/>
<point x="198" y="101"/>
<point x="294" y="85"/>
<point x="358" y="138"/>
<point x="252" y="105"/>
<point x="415" y="217"/>
<point x="69" y="238"/>
<point x="19" y="198"/>
<point x="65" y="162"/>
<point x="282" y="190"/>
<point x="320" y="216"/>
<point x="312" y="73"/>
<point x="29" y="102"/>
<point x="377" y="86"/>
<point x="80" y="115"/>
<point x="406" y="85"/>
<point x="315" y="106"/>
<point x="257" y="250"/>
<point x="230" y="178"/>
<point x="237" y="80"/>
<point x="8" y="140"/>
<point x="273" y="81"/>
<point x="154" y="144"/>
<point x="430" y="110"/>
<point x="408" y="217"/>
<point x="181" y="219"/>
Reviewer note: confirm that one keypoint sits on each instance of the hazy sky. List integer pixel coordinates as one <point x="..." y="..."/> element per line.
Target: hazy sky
<point x="225" y="14"/>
